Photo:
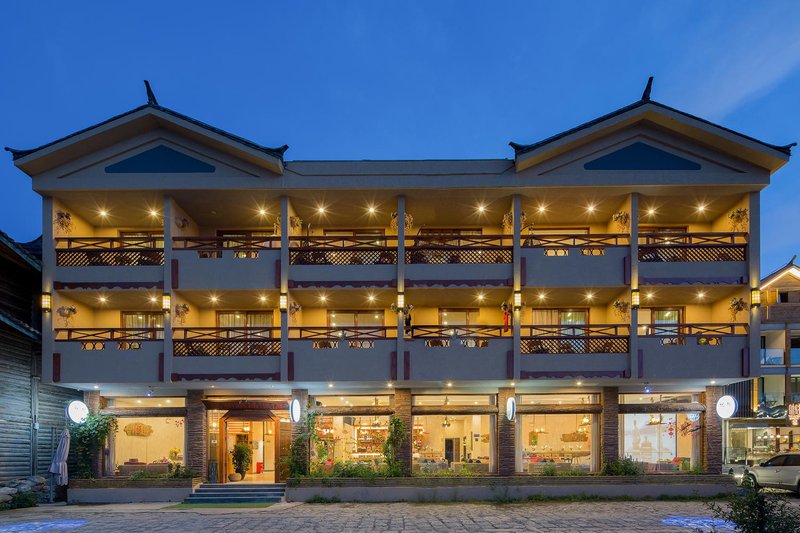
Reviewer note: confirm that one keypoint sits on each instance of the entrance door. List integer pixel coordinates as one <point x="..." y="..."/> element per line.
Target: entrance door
<point x="452" y="451"/>
<point x="284" y="442"/>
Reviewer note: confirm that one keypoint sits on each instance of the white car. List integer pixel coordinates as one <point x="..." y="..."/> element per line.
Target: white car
<point x="780" y="472"/>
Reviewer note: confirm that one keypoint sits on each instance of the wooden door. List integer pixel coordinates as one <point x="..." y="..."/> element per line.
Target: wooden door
<point x="283" y="448"/>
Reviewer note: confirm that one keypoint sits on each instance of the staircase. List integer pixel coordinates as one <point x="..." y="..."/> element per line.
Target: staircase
<point x="238" y="493"/>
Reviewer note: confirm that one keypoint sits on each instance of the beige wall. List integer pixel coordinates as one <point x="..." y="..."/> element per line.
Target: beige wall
<point x="167" y="433"/>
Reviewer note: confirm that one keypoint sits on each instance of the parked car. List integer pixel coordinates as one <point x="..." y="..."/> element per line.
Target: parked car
<point x="781" y="472"/>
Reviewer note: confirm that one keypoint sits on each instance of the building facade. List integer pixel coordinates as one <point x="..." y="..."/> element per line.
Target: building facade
<point x="200" y="281"/>
<point x="33" y="412"/>
<point x="768" y="413"/>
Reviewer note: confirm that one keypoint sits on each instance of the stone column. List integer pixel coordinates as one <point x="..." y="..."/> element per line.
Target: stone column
<point x="402" y="410"/>
<point x="506" y="435"/>
<point x="197" y="433"/>
<point x="609" y="424"/>
<point x="300" y="428"/>
<point x="92" y="400"/>
<point x="712" y="432"/>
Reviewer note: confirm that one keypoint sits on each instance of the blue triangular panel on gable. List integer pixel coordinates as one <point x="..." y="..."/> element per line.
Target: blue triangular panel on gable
<point x="160" y="160"/>
<point x="641" y="156"/>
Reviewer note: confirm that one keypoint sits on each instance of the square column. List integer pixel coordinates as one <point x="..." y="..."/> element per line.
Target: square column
<point x="712" y="432"/>
<point x="92" y="400"/>
<point x="609" y="424"/>
<point x="506" y="435"/>
<point x="402" y="410"/>
<point x="300" y="428"/>
<point x="197" y="433"/>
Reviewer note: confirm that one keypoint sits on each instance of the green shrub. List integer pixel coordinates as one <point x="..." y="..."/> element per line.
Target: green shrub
<point x="20" y="500"/>
<point x="242" y="457"/>
<point x="754" y="511"/>
<point x="549" y="470"/>
<point x="463" y="471"/>
<point x="144" y="474"/>
<point x="570" y="472"/>
<point x="87" y="438"/>
<point x="625" y="466"/>
<point x="391" y="448"/>
<point x="173" y="472"/>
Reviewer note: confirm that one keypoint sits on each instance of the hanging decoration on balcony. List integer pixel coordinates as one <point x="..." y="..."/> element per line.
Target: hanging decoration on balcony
<point x="63" y="222"/>
<point x="293" y="309"/>
<point x="622" y="308"/>
<point x="181" y="310"/>
<point x="736" y="306"/>
<point x="623" y="221"/>
<point x="409" y="223"/>
<point x="739" y="218"/>
<point x="508" y="221"/>
<point x="181" y="222"/>
<point x="508" y="316"/>
<point x="66" y="312"/>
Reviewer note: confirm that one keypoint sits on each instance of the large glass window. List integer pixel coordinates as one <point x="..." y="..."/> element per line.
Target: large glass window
<point x="144" y="320"/>
<point x="794" y="347"/>
<point x="562" y="441"/>
<point x="350" y="439"/>
<point x="452" y="442"/>
<point x="458" y="399"/>
<point x="771" y="393"/>
<point x="659" y="321"/>
<point x="350" y="401"/>
<point x="148" y="443"/>
<point x="253" y="322"/>
<point x="663" y="442"/>
<point x="357" y="318"/>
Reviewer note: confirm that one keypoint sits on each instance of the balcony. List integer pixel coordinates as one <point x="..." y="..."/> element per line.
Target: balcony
<point x="460" y="352"/>
<point x="83" y="355"/>
<point x="575" y="260"/>
<point x="354" y="261"/>
<point x="781" y="312"/>
<point x="694" y="351"/>
<point x="554" y="351"/>
<point x="226" y="262"/>
<point x="226" y="353"/>
<point x="479" y="260"/>
<point x="367" y="353"/>
<point x="111" y="259"/>
<point x="685" y="258"/>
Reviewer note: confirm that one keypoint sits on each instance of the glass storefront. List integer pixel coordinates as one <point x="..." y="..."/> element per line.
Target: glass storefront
<point x="356" y="439"/>
<point x="563" y="441"/>
<point x="148" y="443"/>
<point x="663" y="442"/>
<point x="452" y="442"/>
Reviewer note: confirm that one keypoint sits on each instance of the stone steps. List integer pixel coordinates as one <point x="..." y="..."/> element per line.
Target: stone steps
<point x="238" y="493"/>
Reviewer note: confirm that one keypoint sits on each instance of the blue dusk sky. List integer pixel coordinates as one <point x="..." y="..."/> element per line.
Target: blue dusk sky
<point x="400" y="79"/>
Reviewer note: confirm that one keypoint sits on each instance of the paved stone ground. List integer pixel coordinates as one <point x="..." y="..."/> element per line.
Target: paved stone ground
<point x="549" y="516"/>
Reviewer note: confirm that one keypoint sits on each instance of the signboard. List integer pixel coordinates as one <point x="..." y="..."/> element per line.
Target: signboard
<point x="793" y="412"/>
<point x="511" y="408"/>
<point x="693" y="417"/>
<point x="726" y="406"/>
<point x="77" y="411"/>
<point x="294" y="410"/>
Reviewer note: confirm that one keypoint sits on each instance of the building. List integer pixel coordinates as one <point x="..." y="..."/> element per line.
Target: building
<point x="769" y="406"/>
<point x="199" y="281"/>
<point x="33" y="412"/>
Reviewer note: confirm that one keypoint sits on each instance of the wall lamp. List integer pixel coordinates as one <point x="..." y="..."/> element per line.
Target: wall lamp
<point x="517" y="300"/>
<point x="47" y="302"/>
<point x="283" y="301"/>
<point x="635" y="298"/>
<point x="166" y="302"/>
<point x="755" y="297"/>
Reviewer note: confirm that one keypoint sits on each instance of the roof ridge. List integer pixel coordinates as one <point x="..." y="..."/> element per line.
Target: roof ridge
<point x="29" y="258"/>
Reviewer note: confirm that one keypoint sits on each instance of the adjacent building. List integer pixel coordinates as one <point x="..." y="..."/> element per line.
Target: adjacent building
<point x="33" y="412"/>
<point x="601" y="279"/>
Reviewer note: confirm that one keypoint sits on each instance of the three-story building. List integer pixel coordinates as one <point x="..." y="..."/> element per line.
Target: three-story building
<point x="600" y="278"/>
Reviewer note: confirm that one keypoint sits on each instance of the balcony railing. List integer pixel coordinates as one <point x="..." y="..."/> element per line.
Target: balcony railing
<point x="356" y="336"/>
<point x="96" y="338"/>
<point x="781" y="312"/>
<point x="701" y="334"/>
<point x="244" y="247"/>
<point x="692" y="247"/>
<point x="204" y="342"/>
<point x="575" y="339"/>
<point x="558" y="245"/>
<point x="338" y="250"/>
<point x="109" y="251"/>
<point x="477" y="336"/>
<point x="442" y="249"/>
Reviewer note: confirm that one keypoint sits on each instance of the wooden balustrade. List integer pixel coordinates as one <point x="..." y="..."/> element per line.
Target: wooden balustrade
<point x="692" y="247"/>
<point x="109" y="251"/>
<point x="442" y="249"/>
<point x="229" y="342"/>
<point x="575" y="339"/>
<point x="339" y="250"/>
<point x="239" y="243"/>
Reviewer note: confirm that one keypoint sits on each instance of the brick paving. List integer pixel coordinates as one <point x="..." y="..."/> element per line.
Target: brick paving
<point x="550" y="516"/>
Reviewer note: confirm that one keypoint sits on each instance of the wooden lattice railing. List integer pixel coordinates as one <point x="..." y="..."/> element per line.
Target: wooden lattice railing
<point x="338" y="250"/>
<point x="692" y="247"/>
<point x="335" y="333"/>
<point x="701" y="334"/>
<point x="443" y="249"/>
<point x="244" y="243"/>
<point x="233" y="342"/>
<point x="576" y="240"/>
<point x="459" y="331"/>
<point x="109" y="251"/>
<point x="108" y="334"/>
<point x="575" y="339"/>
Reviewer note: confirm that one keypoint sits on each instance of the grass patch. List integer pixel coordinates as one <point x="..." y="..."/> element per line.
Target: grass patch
<point x="239" y="505"/>
<point x="316" y="498"/>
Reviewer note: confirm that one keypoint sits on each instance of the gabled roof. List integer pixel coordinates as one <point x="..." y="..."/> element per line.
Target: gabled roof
<point x="137" y="120"/>
<point x="788" y="269"/>
<point x="743" y="146"/>
<point x="20" y="326"/>
<point x="20" y="250"/>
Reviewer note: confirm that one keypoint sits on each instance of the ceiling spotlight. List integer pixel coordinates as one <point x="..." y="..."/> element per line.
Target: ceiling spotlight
<point x="153" y="213"/>
<point x="713" y="381"/>
<point x="579" y="383"/>
<point x="323" y="298"/>
<point x="481" y="208"/>
<point x="389" y="385"/>
<point x="648" y="295"/>
<point x="701" y="208"/>
<point x="589" y="295"/>
<point x="321" y="210"/>
<point x="542" y="296"/>
<point x="651" y="211"/>
<point x="103" y="299"/>
<point x="481" y="296"/>
<point x="103" y="213"/>
<point x="701" y="295"/>
<point x="262" y="299"/>
<point x="590" y="208"/>
<point x="330" y="385"/>
<point x="153" y="299"/>
<point x="95" y="387"/>
<point x="371" y="297"/>
<point x="542" y="208"/>
<point x="513" y="383"/>
<point x="214" y="299"/>
<point x="449" y="383"/>
<point x="262" y="212"/>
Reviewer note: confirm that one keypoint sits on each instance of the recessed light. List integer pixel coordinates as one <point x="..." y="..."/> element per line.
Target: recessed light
<point x="481" y="208"/>
<point x="262" y="212"/>
<point x="103" y="213"/>
<point x="262" y="299"/>
<point x="138" y="401"/>
<point x="579" y="383"/>
<point x="701" y="208"/>
<point x="321" y="210"/>
<point x="371" y="210"/>
<point x="323" y="298"/>
<point x="371" y="297"/>
<point x="541" y="296"/>
<point x="713" y="381"/>
<point x="214" y="299"/>
<point x="701" y="295"/>
<point x="153" y="299"/>
<point x="651" y="211"/>
<point x="330" y="385"/>
<point x="513" y="383"/>
<point x="389" y="385"/>
<point x="590" y="208"/>
<point x="95" y="387"/>
<point x="153" y="213"/>
<point x="481" y="296"/>
<point x="589" y="295"/>
<point x="103" y="299"/>
<point x="542" y="208"/>
<point x="449" y="383"/>
<point x="168" y="401"/>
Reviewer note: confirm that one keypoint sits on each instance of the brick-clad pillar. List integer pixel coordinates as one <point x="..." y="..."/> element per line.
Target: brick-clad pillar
<point x="92" y="400"/>
<point x="506" y="435"/>
<point x="299" y="428"/>
<point x="609" y="424"/>
<point x="712" y="432"/>
<point x="197" y="433"/>
<point x="402" y="410"/>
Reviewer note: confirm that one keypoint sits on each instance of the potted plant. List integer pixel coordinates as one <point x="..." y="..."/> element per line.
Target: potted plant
<point x="622" y="309"/>
<point x="739" y="218"/>
<point x="508" y="220"/>
<point x="409" y="221"/>
<point x="737" y="306"/>
<point x="242" y="457"/>
<point x="181" y="310"/>
<point x="63" y="221"/>
<point x="622" y="219"/>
